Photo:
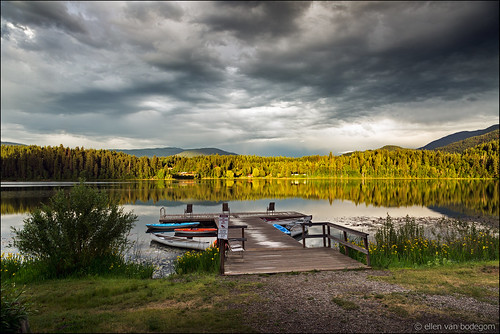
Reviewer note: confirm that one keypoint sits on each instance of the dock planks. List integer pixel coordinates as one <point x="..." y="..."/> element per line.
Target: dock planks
<point x="262" y="235"/>
<point x="288" y="260"/>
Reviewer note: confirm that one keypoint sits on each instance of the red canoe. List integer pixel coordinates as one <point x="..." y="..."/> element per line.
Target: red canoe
<point x="196" y="232"/>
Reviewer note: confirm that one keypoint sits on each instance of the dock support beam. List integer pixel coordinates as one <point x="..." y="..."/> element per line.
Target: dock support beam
<point x="368" y="261"/>
<point x="346" y="248"/>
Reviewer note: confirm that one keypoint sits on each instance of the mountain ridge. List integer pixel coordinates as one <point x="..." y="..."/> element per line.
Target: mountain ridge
<point x="456" y="137"/>
<point x="169" y="151"/>
<point x="462" y="145"/>
<point x="203" y="151"/>
<point x="8" y="143"/>
<point x="150" y="152"/>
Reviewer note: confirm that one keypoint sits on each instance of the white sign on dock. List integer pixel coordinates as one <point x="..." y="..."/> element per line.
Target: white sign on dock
<point x="223" y="227"/>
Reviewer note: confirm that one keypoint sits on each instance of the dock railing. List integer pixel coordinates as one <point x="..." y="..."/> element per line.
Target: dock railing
<point x="242" y="239"/>
<point x="328" y="237"/>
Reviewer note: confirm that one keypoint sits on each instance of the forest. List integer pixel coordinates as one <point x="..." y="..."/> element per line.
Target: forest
<point x="35" y="163"/>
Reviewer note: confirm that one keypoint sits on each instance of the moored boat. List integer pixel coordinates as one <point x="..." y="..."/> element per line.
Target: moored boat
<point x="281" y="228"/>
<point x="196" y="232"/>
<point x="292" y="225"/>
<point x="296" y="230"/>
<point x="180" y="242"/>
<point x="171" y="226"/>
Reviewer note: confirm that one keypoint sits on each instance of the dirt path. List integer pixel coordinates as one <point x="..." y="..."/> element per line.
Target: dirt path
<point x="352" y="302"/>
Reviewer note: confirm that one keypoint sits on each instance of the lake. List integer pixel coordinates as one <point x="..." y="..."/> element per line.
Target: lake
<point x="333" y="200"/>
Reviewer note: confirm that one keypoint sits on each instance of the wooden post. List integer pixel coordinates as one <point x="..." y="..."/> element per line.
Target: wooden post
<point x="303" y="235"/>
<point x="329" y="240"/>
<point x="222" y="253"/>
<point x="324" y="235"/>
<point x="368" y="262"/>
<point x="222" y="233"/>
<point x="345" y="247"/>
<point x="243" y="237"/>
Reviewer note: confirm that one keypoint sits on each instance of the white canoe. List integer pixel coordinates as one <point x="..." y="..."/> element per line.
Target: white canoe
<point x="180" y="242"/>
<point x="296" y="230"/>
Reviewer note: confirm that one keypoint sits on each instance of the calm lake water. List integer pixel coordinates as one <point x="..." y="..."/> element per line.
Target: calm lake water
<point x="325" y="200"/>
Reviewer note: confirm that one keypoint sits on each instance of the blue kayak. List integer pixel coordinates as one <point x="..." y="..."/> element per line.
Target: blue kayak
<point x="281" y="228"/>
<point x="171" y="226"/>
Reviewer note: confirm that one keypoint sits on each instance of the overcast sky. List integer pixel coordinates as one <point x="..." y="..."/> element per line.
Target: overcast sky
<point x="263" y="78"/>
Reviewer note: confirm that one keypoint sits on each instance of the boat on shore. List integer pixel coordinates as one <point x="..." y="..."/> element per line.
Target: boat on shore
<point x="171" y="226"/>
<point x="196" y="232"/>
<point x="180" y="242"/>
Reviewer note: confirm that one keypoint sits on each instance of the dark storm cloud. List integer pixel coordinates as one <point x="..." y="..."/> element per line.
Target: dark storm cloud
<point x="126" y="101"/>
<point x="254" y="74"/>
<point x="250" y="20"/>
<point x="42" y="14"/>
<point x="167" y="10"/>
<point x="456" y="58"/>
<point x="194" y="64"/>
<point x="92" y="101"/>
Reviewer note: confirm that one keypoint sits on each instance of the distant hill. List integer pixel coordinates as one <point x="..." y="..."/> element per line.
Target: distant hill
<point x="386" y="147"/>
<point x="458" y="136"/>
<point x="8" y="143"/>
<point x="168" y="151"/>
<point x="203" y="151"/>
<point x="462" y="145"/>
<point x="150" y="152"/>
<point x="391" y="148"/>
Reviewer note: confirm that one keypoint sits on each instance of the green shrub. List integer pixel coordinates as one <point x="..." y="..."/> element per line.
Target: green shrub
<point x="74" y="230"/>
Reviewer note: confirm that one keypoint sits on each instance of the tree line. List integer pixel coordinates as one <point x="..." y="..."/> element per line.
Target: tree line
<point x="64" y="163"/>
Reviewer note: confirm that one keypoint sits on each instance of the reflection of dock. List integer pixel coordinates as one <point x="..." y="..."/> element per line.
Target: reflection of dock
<point x="268" y="250"/>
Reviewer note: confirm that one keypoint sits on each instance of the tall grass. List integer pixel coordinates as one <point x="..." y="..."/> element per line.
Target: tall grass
<point x="15" y="308"/>
<point x="18" y="269"/>
<point x="409" y="245"/>
<point x="207" y="261"/>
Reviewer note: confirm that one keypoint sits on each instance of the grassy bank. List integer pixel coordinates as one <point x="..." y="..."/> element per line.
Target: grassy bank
<point x="463" y="282"/>
<point x="210" y="303"/>
<point x="472" y="279"/>
<point x="100" y="305"/>
<point x="412" y="245"/>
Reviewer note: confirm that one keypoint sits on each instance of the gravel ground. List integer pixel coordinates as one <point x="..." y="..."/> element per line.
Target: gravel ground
<point x="303" y="303"/>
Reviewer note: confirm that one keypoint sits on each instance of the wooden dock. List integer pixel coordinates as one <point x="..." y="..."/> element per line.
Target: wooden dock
<point x="268" y="250"/>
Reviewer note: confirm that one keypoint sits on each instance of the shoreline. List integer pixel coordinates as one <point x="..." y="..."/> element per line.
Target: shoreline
<point x="365" y="224"/>
<point x="163" y="257"/>
<point x="370" y="223"/>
